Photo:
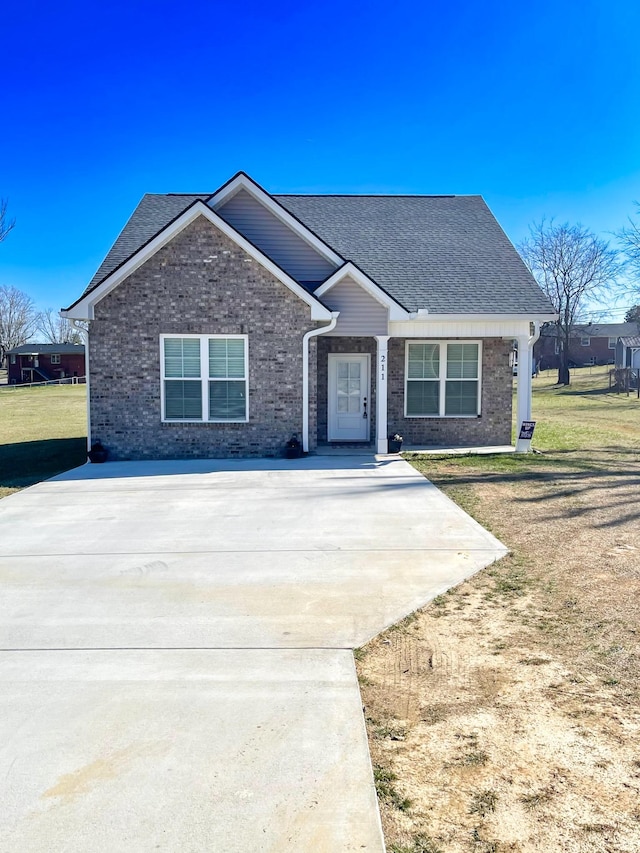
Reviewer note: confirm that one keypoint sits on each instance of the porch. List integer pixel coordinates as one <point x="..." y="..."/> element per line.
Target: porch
<point x="361" y="393"/>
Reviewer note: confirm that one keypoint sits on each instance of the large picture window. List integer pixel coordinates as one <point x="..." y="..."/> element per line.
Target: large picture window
<point x="204" y="378"/>
<point x="442" y="379"/>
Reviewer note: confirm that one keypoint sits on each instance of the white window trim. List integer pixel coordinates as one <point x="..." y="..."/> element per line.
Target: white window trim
<point x="55" y="358"/>
<point x="612" y="345"/>
<point x="583" y="339"/>
<point x="204" y="379"/>
<point x="443" y="376"/>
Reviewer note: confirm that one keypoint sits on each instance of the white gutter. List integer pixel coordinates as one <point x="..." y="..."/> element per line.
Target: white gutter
<point x="305" y="375"/>
<point x="85" y="336"/>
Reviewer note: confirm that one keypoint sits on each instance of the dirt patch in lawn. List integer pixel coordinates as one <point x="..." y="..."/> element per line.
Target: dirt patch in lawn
<point x="504" y="716"/>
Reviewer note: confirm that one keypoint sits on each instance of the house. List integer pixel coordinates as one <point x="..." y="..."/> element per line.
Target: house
<point x="45" y="362"/>
<point x="589" y="344"/>
<point x="628" y="350"/>
<point x="252" y="317"/>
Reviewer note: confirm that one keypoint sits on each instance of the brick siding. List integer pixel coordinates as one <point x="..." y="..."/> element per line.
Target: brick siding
<point x="200" y="283"/>
<point x="492" y="427"/>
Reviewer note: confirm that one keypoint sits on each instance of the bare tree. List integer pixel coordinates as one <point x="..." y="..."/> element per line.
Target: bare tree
<point x="56" y="329"/>
<point x="629" y="238"/>
<point x="573" y="266"/>
<point x="6" y="224"/>
<point x="17" y="318"/>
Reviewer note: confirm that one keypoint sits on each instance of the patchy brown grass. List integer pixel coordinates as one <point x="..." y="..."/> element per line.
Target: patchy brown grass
<point x="507" y="710"/>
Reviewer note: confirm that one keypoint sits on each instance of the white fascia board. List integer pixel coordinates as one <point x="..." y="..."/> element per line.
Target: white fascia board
<point x="462" y="326"/>
<point x="349" y="270"/>
<point x="83" y="309"/>
<point x="246" y="183"/>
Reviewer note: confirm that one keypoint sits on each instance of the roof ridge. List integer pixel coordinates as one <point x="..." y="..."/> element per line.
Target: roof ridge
<point x="376" y="195"/>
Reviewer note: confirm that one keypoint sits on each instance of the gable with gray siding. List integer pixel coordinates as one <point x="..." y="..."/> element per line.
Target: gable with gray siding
<point x="264" y="229"/>
<point x="360" y="313"/>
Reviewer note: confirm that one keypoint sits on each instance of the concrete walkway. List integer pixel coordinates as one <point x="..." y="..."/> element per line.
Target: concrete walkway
<point x="177" y="673"/>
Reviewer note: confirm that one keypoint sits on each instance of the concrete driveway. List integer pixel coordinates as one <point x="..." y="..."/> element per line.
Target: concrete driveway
<point x="177" y="672"/>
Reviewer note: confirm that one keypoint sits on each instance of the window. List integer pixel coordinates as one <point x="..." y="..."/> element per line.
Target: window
<point x="585" y="342"/>
<point x="55" y="358"/>
<point x="13" y="358"/>
<point x="204" y="378"/>
<point x="612" y="343"/>
<point x="442" y="379"/>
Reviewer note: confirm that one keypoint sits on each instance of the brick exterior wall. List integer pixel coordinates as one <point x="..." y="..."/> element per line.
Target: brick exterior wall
<point x="328" y="344"/>
<point x="492" y="427"/>
<point x="200" y="283"/>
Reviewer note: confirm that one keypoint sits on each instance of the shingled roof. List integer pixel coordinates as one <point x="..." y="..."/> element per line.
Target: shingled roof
<point x="153" y="213"/>
<point x="447" y="254"/>
<point x="444" y="253"/>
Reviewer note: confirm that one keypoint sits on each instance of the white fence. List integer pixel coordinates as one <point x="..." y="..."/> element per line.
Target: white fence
<point x="68" y="380"/>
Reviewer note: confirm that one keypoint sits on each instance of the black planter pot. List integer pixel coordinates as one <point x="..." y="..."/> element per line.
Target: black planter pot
<point x="98" y="454"/>
<point x="394" y="446"/>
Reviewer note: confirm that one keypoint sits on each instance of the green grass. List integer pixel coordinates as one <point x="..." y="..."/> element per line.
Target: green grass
<point x="581" y="427"/>
<point x="42" y="432"/>
<point x="583" y="415"/>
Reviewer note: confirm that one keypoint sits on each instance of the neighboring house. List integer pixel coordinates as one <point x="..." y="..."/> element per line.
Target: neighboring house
<point x="589" y="344"/>
<point x="222" y="324"/>
<point x="44" y="362"/>
<point x="628" y="350"/>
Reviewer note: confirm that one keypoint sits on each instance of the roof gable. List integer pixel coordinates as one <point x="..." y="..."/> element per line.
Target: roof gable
<point x="277" y="239"/>
<point x="83" y="308"/>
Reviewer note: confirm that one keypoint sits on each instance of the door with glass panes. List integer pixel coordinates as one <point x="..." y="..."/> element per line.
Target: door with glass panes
<point x="348" y="398"/>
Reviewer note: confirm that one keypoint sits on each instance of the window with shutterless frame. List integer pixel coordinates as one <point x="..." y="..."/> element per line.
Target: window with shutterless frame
<point x="442" y="379"/>
<point x="204" y="378"/>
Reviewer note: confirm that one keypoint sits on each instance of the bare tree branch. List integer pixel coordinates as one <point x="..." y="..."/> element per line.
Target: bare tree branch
<point x="6" y="224"/>
<point x="56" y="329"/>
<point x="629" y="238"/>
<point x="17" y="318"/>
<point x="572" y="265"/>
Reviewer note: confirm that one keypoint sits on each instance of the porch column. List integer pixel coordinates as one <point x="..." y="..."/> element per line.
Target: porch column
<point x="523" y="404"/>
<point x="381" y="394"/>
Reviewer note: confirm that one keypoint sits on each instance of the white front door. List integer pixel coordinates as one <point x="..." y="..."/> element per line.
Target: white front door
<point x="349" y="398"/>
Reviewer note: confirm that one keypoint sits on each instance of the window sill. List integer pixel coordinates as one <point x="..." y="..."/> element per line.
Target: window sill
<point x="442" y="417"/>
<point x="202" y="423"/>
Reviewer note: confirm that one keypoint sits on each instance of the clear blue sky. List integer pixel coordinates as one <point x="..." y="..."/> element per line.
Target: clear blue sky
<point x="533" y="105"/>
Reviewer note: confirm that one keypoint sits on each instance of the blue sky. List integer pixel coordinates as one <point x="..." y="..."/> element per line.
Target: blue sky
<point x="532" y="105"/>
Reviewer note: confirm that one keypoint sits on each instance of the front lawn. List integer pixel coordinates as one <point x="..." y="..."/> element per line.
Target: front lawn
<point x="42" y="432"/>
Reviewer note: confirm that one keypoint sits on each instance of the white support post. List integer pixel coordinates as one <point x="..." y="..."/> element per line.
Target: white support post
<point x="523" y="404"/>
<point x="382" y="359"/>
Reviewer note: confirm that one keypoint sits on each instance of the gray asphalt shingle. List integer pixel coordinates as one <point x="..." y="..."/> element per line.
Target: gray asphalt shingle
<point x="444" y="253"/>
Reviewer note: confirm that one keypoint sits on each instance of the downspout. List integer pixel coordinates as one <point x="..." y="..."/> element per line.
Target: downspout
<point x="85" y="337"/>
<point x="536" y="334"/>
<point x="305" y="375"/>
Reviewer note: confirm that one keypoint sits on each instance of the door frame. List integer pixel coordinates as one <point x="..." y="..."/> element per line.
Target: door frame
<point x="333" y="357"/>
